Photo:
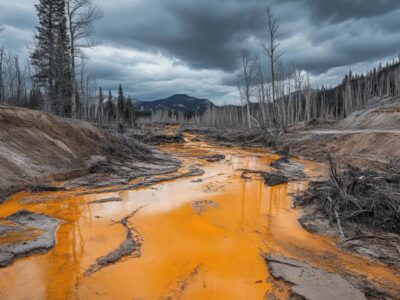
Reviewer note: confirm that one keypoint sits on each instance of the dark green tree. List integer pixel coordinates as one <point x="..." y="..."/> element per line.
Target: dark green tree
<point x="120" y="102"/>
<point x="110" y="107"/>
<point x="50" y="56"/>
<point x="129" y="111"/>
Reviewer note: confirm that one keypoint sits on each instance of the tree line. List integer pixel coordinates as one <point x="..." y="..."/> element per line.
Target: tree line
<point x="54" y="79"/>
<point x="287" y="99"/>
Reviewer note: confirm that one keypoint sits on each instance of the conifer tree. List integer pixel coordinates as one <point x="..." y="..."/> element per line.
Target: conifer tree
<point x="50" y="57"/>
<point x="129" y="111"/>
<point x="120" y="101"/>
<point x="101" y="97"/>
<point x="110" y="107"/>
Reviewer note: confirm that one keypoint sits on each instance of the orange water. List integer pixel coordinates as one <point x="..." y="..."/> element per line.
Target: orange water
<point x="185" y="254"/>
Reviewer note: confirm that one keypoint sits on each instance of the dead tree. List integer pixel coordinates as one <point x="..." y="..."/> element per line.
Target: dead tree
<point x="271" y="49"/>
<point x="247" y="79"/>
<point x="81" y="15"/>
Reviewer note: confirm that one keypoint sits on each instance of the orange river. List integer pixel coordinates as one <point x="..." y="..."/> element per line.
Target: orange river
<point x="185" y="254"/>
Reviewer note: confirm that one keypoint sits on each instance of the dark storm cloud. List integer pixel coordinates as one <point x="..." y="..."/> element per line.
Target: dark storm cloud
<point x="210" y="34"/>
<point x="162" y="46"/>
<point x="204" y="34"/>
<point x="340" y="10"/>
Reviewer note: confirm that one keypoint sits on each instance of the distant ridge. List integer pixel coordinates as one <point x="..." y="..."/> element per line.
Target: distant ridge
<point x="177" y="103"/>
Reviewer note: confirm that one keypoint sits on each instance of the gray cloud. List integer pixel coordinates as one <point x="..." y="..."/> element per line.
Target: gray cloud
<point x="159" y="47"/>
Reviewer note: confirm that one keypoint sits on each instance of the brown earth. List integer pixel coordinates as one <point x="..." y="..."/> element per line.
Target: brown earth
<point x="366" y="138"/>
<point x="37" y="147"/>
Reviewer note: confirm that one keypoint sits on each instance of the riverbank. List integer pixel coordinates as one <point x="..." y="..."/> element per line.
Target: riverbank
<point x="37" y="148"/>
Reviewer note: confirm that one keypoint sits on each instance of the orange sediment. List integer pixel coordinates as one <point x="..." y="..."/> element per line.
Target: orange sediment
<point x="186" y="254"/>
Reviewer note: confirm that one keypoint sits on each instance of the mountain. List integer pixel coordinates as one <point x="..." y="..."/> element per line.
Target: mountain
<point x="178" y="102"/>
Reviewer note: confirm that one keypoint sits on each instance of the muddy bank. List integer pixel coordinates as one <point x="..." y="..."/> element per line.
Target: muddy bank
<point x="24" y="234"/>
<point x="283" y="170"/>
<point x="131" y="246"/>
<point x="192" y="171"/>
<point x="377" y="245"/>
<point x="38" y="148"/>
<point x="359" y="206"/>
<point x="154" y="135"/>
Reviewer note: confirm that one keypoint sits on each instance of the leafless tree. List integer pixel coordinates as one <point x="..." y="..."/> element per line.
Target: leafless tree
<point x="262" y="95"/>
<point x="271" y="48"/>
<point x="247" y="79"/>
<point x="81" y="15"/>
<point x="1" y="70"/>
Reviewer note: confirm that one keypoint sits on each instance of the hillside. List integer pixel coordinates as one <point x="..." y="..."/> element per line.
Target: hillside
<point x="37" y="147"/>
<point x="177" y="103"/>
<point x="379" y="113"/>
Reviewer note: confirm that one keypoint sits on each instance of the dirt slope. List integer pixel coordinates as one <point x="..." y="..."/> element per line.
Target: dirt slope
<point x="37" y="147"/>
<point x="366" y="138"/>
<point x="380" y="114"/>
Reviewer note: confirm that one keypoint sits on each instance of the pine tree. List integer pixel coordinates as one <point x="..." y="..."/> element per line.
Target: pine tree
<point x="63" y="70"/>
<point x="101" y="97"/>
<point x="120" y="101"/>
<point x="129" y="111"/>
<point x="110" y="107"/>
<point x="50" y="57"/>
<point x="35" y="99"/>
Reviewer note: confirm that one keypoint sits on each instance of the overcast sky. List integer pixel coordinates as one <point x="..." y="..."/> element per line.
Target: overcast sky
<point x="156" y="48"/>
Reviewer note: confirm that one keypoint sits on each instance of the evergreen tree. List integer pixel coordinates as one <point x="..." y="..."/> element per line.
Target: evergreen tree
<point x="50" y="57"/>
<point x="35" y="99"/>
<point x="63" y="70"/>
<point x="110" y="107"/>
<point x="129" y="111"/>
<point x="101" y="97"/>
<point x="120" y="101"/>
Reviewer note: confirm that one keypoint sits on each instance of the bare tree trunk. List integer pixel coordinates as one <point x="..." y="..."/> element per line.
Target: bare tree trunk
<point x="248" y="68"/>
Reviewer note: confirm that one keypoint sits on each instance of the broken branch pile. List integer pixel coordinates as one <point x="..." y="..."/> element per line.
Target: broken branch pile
<point x="358" y="195"/>
<point x="245" y="138"/>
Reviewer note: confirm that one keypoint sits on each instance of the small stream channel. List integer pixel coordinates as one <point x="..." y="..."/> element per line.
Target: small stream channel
<point x="202" y="237"/>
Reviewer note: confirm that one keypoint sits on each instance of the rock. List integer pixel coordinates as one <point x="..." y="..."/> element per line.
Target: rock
<point x="309" y="282"/>
<point x="27" y="222"/>
<point x="214" y="158"/>
<point x="291" y="169"/>
<point x="272" y="179"/>
<point x="197" y="180"/>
